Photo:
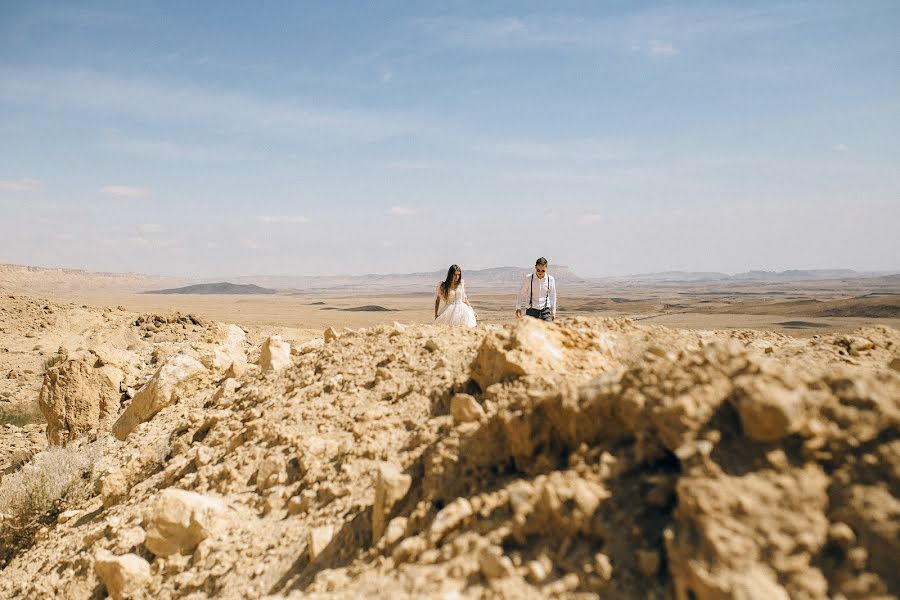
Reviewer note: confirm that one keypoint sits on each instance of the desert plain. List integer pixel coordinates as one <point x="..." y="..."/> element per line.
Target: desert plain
<point x="665" y="438"/>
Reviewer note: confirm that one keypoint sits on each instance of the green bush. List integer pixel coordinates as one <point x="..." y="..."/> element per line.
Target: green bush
<point x="54" y="480"/>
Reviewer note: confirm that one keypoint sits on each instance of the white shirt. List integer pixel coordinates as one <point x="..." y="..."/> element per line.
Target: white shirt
<point x="539" y="296"/>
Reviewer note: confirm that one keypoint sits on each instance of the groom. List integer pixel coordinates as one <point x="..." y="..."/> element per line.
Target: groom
<point x="539" y="293"/>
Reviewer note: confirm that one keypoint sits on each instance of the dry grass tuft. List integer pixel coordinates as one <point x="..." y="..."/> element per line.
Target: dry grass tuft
<point x="54" y="479"/>
<point x="21" y="415"/>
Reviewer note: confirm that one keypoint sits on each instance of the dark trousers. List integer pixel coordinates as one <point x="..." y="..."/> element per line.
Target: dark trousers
<point x="545" y="314"/>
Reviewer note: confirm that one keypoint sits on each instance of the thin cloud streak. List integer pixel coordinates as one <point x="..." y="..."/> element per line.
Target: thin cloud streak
<point x="125" y="191"/>
<point x="19" y="185"/>
<point x="282" y="219"/>
<point x="231" y="111"/>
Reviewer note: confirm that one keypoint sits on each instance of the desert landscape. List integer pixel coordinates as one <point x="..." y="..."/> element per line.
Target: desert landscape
<point x="664" y="439"/>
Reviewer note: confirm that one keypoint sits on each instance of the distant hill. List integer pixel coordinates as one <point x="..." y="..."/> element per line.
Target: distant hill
<point x="217" y="288"/>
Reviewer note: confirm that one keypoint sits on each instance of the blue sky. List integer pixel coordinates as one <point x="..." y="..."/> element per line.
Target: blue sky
<point x="194" y="138"/>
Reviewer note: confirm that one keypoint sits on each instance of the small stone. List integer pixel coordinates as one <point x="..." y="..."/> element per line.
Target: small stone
<point x="494" y="564"/>
<point x="391" y="485"/>
<point x="395" y="530"/>
<point x="330" y="335"/>
<point x="319" y="538"/>
<point x="841" y="535"/>
<point x="113" y="488"/>
<point x="536" y="571"/>
<point x="895" y="364"/>
<point x="603" y="567"/>
<point x="465" y="408"/>
<point x="123" y="576"/>
<point x="431" y="345"/>
<point x="449" y="518"/>
<point x="66" y="516"/>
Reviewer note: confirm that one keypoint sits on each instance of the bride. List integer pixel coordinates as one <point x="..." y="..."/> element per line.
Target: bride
<point x="457" y="310"/>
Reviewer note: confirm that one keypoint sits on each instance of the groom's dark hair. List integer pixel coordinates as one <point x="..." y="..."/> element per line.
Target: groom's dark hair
<point x="541" y="262"/>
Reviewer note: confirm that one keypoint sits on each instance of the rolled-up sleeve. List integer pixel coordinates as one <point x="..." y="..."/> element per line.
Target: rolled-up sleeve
<point x="522" y="298"/>
<point x="553" y="295"/>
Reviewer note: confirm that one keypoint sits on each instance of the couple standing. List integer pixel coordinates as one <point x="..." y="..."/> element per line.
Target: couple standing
<point x="538" y="291"/>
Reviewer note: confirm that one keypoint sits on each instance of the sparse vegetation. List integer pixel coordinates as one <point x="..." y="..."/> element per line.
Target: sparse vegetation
<point x="53" y="480"/>
<point x="53" y="361"/>
<point x="21" y="415"/>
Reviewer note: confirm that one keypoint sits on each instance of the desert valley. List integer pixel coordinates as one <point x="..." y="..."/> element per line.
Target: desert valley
<point x="669" y="437"/>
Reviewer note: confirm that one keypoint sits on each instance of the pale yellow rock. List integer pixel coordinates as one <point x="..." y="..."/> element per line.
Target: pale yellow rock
<point x="179" y="520"/>
<point x="330" y="335"/>
<point x="274" y="355"/>
<point x="769" y="411"/>
<point x="465" y="408"/>
<point x="319" y="538"/>
<point x="113" y="488"/>
<point x="175" y="379"/>
<point x="391" y="485"/>
<point x="494" y="564"/>
<point x="450" y="517"/>
<point x="123" y="576"/>
<point x="76" y="397"/>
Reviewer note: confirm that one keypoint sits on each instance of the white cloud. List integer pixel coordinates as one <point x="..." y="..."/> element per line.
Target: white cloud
<point x="169" y="150"/>
<point x="402" y="211"/>
<point x="125" y="191"/>
<point x="661" y="48"/>
<point x="282" y="219"/>
<point x="150" y="228"/>
<point x="589" y="218"/>
<point x="840" y="148"/>
<point x="19" y="185"/>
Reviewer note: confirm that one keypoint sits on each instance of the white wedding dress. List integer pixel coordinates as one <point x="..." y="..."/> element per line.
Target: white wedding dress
<point x="455" y="311"/>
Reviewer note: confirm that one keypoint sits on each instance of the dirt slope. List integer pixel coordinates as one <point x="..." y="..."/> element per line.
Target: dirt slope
<point x="591" y="458"/>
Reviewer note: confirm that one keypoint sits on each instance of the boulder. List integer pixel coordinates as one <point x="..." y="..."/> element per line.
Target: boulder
<point x="465" y="408"/>
<point x="229" y="358"/>
<point x="179" y="520"/>
<point x="123" y="576"/>
<point x="528" y="346"/>
<point x="274" y="355"/>
<point x="174" y="380"/>
<point x="113" y="488"/>
<point x="769" y="410"/>
<point x="390" y="486"/>
<point x="76" y="398"/>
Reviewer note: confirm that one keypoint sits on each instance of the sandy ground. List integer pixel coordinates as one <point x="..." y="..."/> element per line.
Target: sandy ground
<point x="301" y="316"/>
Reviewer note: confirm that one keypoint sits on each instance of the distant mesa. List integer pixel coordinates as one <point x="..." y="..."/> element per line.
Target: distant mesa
<point x="801" y="324"/>
<point x="217" y="288"/>
<point x="369" y="308"/>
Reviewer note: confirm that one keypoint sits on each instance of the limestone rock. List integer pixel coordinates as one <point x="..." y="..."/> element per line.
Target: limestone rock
<point x="494" y="564"/>
<point x="769" y="410"/>
<point x="319" y="538"/>
<point x="172" y="381"/>
<point x="330" y="335"/>
<point x="275" y="354"/>
<point x="450" y="517"/>
<point x="529" y="346"/>
<point x="113" y="488"/>
<point x="465" y="408"/>
<point x="179" y="520"/>
<point x="390" y="486"/>
<point x="271" y="471"/>
<point x="75" y="398"/>
<point x="229" y="357"/>
<point x="123" y="576"/>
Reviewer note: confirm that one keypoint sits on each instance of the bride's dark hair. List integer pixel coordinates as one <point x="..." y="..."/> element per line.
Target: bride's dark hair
<point x="445" y="285"/>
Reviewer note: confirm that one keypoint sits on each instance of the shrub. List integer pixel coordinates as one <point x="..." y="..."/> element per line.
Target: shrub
<point x="55" y="479"/>
<point x="21" y="415"/>
<point x="53" y="361"/>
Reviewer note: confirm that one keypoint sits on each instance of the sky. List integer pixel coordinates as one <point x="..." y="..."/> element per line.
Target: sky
<point x="310" y="138"/>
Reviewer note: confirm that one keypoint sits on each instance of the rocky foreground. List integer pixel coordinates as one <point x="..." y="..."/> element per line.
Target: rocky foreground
<point x="587" y="459"/>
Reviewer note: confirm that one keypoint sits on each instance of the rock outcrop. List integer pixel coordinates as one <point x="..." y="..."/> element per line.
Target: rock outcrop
<point x="179" y="520"/>
<point x="176" y="378"/>
<point x="76" y="397"/>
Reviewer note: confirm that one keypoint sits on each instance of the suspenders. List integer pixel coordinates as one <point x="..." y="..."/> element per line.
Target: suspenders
<point x="531" y="292"/>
